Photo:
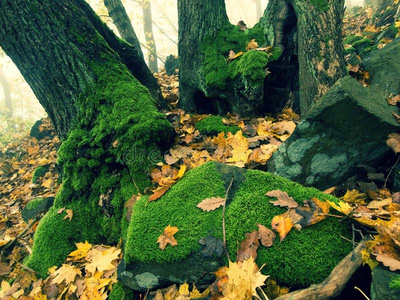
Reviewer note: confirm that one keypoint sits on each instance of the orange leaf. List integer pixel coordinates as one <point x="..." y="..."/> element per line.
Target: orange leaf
<point x="267" y="236"/>
<point x="168" y="237"/>
<point x="158" y="193"/>
<point x="282" y="225"/>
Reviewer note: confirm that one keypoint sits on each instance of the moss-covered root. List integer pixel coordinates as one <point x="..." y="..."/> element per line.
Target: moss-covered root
<point x="213" y="125"/>
<point x="120" y="292"/>
<point x="303" y="258"/>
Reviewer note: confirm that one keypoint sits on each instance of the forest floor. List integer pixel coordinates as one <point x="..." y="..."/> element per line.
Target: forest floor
<point x="28" y="170"/>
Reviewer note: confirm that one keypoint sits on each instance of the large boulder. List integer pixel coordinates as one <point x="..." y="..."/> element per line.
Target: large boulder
<point x="381" y="287"/>
<point x="384" y="69"/>
<point x="347" y="127"/>
<point x="304" y="257"/>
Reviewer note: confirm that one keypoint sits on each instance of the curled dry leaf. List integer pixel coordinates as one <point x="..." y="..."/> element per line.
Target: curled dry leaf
<point x="391" y="263"/>
<point x="158" y="193"/>
<point x="248" y="247"/>
<point x="167" y="237"/>
<point x="267" y="236"/>
<point x="284" y="200"/>
<point x="393" y="100"/>
<point x="393" y="142"/>
<point x="210" y="204"/>
<point x="282" y="224"/>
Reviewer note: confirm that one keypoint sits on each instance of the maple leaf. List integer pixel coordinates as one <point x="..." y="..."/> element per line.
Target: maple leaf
<point x="354" y="196"/>
<point x="342" y="207"/>
<point x="267" y="236"/>
<point x="251" y="45"/>
<point x="284" y="200"/>
<point x="69" y="214"/>
<point x="243" y="280"/>
<point x="282" y="224"/>
<point x="248" y="247"/>
<point x="393" y="142"/>
<point x="103" y="260"/>
<point x="167" y="237"/>
<point x="81" y="251"/>
<point x="210" y="204"/>
<point x="66" y="273"/>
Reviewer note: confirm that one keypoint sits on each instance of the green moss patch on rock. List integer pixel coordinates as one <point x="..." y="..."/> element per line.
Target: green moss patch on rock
<point x="252" y="65"/>
<point x="120" y="292"/>
<point x="213" y="125"/>
<point x="300" y="260"/>
<point x="39" y="172"/>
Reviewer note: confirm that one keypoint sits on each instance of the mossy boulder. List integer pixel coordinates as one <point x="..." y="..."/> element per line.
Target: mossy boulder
<point x="35" y="207"/>
<point x="383" y="284"/>
<point x="39" y="172"/>
<point x="347" y="127"/>
<point x="120" y="292"/>
<point x="300" y="260"/>
<point x="213" y="125"/>
<point x="349" y="40"/>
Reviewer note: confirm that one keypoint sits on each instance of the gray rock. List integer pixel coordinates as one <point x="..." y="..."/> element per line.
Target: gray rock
<point x="347" y="127"/>
<point x="384" y="69"/>
<point x="380" y="286"/>
<point x="36" y="207"/>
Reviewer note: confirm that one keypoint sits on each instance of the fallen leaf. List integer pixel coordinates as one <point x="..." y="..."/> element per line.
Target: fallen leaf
<point x="167" y="237"/>
<point x="393" y="142"/>
<point x="284" y="200"/>
<point x="158" y="193"/>
<point x="393" y="100"/>
<point x="248" y="247"/>
<point x="252" y="45"/>
<point x="81" y="251"/>
<point x="267" y="236"/>
<point x="66" y="273"/>
<point x="354" y="196"/>
<point x="69" y="214"/>
<point x="103" y="260"/>
<point x="282" y="224"/>
<point x="391" y="263"/>
<point x="210" y="204"/>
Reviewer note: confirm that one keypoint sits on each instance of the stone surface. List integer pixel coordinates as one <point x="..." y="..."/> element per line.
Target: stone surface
<point x="36" y="207"/>
<point x="384" y="69"/>
<point x="347" y="127"/>
<point x="380" y="290"/>
<point x="299" y="260"/>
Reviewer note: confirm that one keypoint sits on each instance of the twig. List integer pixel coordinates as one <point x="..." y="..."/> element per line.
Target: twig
<point x="390" y="172"/>
<point x="26" y="268"/>
<point x="223" y="219"/>
<point x="151" y="50"/>
<point x="358" y="289"/>
<point x="162" y="31"/>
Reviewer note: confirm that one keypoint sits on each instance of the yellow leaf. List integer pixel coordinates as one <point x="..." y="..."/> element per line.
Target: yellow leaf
<point x="282" y="224"/>
<point x="80" y="252"/>
<point x="252" y="45"/>
<point x="66" y="273"/>
<point x="195" y="293"/>
<point x="342" y="207"/>
<point x="184" y="289"/>
<point x="69" y="214"/>
<point x="103" y="260"/>
<point x="167" y="237"/>
<point x="354" y="196"/>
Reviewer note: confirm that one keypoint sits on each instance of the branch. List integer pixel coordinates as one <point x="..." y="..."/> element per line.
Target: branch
<point x="335" y="283"/>
<point x="149" y="49"/>
<point x="164" y="33"/>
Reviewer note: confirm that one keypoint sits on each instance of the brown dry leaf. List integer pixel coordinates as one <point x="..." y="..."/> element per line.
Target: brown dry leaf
<point x="210" y="204"/>
<point x="330" y="190"/>
<point x="48" y="183"/>
<point x="376" y="204"/>
<point x="4" y="269"/>
<point x="396" y="116"/>
<point x="252" y="45"/>
<point x="167" y="237"/>
<point x="283" y="127"/>
<point x="33" y="149"/>
<point x="267" y="236"/>
<point x="284" y="200"/>
<point x="60" y="210"/>
<point x="282" y="224"/>
<point x="243" y="280"/>
<point x="393" y="142"/>
<point x="69" y="214"/>
<point x="248" y="247"/>
<point x="311" y="213"/>
<point x="391" y="263"/>
<point x="158" y="193"/>
<point x="393" y="100"/>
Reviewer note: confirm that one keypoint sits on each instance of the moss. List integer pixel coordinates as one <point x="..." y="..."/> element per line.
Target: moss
<point x="351" y="39"/>
<point x="120" y="292"/>
<point x="321" y="5"/>
<point x="34" y="203"/>
<point x="39" y="172"/>
<point x="349" y="50"/>
<point x="395" y="283"/>
<point x="298" y="261"/>
<point x="217" y="71"/>
<point x="106" y="155"/>
<point x="362" y="44"/>
<point x="213" y="125"/>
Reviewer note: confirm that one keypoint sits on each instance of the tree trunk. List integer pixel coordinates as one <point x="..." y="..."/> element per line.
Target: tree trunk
<point x="149" y="36"/>
<point x="318" y="41"/>
<point x="118" y="14"/>
<point x="111" y="128"/>
<point x="7" y="93"/>
<point x="197" y="19"/>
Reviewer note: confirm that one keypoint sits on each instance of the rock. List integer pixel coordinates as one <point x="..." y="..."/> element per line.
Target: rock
<point x="380" y="286"/>
<point x="36" y="207"/>
<point x="395" y="179"/>
<point x="384" y="69"/>
<point x="347" y="127"/>
<point x="171" y="64"/>
<point x="39" y="134"/>
<point x="298" y="261"/>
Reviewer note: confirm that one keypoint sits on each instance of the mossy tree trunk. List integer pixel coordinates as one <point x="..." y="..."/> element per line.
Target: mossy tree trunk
<point x="118" y="14"/>
<point x="197" y="19"/>
<point x="7" y="93"/>
<point x="112" y="130"/>
<point x="311" y="33"/>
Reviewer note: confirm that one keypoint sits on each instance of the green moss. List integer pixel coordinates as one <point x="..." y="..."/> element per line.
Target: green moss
<point x="349" y="50"/>
<point x="321" y="5"/>
<point x="395" y="283"/>
<point x="217" y="70"/>
<point x="362" y="44"/>
<point x="34" y="203"/>
<point x="352" y="39"/>
<point x="39" y="172"/>
<point x="107" y="154"/>
<point x="120" y="292"/>
<point x="298" y="261"/>
<point x="213" y="125"/>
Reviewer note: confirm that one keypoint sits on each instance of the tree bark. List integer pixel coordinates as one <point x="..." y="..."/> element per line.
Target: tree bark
<point x="7" y="93"/>
<point x="319" y="44"/>
<point x="197" y="19"/>
<point x="109" y="122"/>
<point x="118" y="14"/>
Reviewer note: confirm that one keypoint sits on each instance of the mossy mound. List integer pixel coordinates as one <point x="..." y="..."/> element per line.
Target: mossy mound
<point x="303" y="258"/>
<point x="349" y="40"/>
<point x="36" y="207"/>
<point x="218" y="72"/>
<point x="39" y="172"/>
<point x="395" y="283"/>
<point x="120" y="292"/>
<point x="213" y="125"/>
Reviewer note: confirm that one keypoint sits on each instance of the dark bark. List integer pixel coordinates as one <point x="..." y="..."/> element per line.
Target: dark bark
<point x="197" y="20"/>
<point x="118" y="14"/>
<point x="318" y="41"/>
<point x="7" y="93"/>
<point x="149" y="36"/>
